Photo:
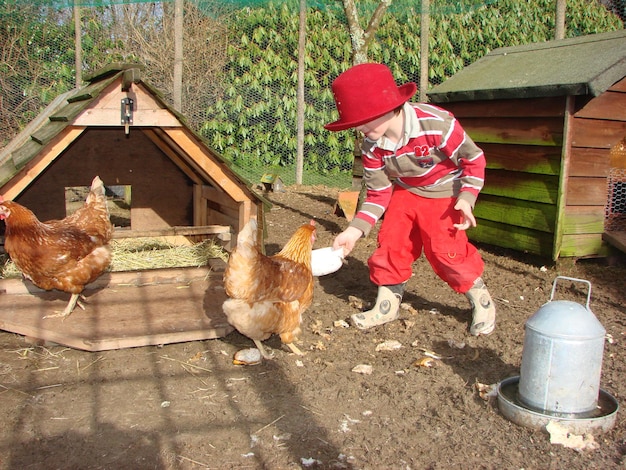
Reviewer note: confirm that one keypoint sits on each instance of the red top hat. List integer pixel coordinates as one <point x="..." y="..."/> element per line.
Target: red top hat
<point x="366" y="92"/>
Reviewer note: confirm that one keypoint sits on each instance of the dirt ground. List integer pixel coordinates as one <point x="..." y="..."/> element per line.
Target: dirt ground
<point x="186" y="406"/>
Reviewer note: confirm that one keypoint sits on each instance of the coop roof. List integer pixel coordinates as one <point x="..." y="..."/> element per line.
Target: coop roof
<point x="98" y="104"/>
<point x="585" y="65"/>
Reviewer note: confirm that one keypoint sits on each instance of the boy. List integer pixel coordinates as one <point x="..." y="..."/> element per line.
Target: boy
<point x="424" y="172"/>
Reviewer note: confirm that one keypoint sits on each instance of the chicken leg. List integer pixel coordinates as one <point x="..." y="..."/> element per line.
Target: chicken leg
<point x="71" y="305"/>
<point x="264" y="353"/>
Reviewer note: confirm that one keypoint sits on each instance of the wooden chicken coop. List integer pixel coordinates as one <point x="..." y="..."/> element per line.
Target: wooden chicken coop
<point x="118" y="127"/>
<point x="547" y="116"/>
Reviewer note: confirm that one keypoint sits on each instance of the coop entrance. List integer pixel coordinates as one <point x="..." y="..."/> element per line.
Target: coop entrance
<point x="118" y="202"/>
<point x="615" y="215"/>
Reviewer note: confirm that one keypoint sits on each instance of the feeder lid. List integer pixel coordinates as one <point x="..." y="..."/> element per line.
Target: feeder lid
<point x="566" y="319"/>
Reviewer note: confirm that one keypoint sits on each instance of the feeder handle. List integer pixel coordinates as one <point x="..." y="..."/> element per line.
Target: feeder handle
<point x="575" y="280"/>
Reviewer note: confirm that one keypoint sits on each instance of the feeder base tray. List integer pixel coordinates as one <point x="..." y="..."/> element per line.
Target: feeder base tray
<point x="513" y="410"/>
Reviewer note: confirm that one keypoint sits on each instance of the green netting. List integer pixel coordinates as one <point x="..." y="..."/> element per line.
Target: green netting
<point x="435" y="7"/>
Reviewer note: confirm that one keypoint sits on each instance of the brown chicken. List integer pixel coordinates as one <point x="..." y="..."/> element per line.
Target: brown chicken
<point x="62" y="254"/>
<point x="269" y="293"/>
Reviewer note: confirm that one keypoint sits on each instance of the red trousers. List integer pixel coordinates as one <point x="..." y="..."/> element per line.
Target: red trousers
<point x="413" y="224"/>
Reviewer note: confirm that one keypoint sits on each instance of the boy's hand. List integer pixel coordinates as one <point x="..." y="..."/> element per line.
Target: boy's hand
<point x="468" y="217"/>
<point x="347" y="239"/>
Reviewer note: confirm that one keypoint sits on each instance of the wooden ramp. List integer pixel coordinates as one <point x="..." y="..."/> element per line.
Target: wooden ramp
<point x="122" y="310"/>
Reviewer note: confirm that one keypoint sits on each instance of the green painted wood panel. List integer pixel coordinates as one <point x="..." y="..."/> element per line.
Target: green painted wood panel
<point x="516" y="212"/>
<point x="522" y="186"/>
<point x="517" y="238"/>
<point x="582" y="245"/>
<point x="544" y="160"/>
<point x="531" y="131"/>
<point x="583" y="220"/>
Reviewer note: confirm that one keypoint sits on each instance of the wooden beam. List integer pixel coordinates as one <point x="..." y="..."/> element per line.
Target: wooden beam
<point x="111" y="117"/>
<point x="175" y="157"/>
<point x="177" y="150"/>
<point x="566" y="154"/>
<point x="616" y="239"/>
<point x="35" y="167"/>
<point x="199" y="206"/>
<point x="173" y="231"/>
<point x="213" y="168"/>
<point x="220" y="197"/>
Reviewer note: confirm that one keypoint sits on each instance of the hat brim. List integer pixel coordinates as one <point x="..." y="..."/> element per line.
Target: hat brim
<point x="405" y="91"/>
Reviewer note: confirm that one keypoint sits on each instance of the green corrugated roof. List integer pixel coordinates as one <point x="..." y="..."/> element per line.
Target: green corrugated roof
<point x="585" y="65"/>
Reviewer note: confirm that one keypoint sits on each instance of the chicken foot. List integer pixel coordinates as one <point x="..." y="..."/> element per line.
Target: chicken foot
<point x="294" y="349"/>
<point x="270" y="356"/>
<point x="71" y="305"/>
<point x="264" y="353"/>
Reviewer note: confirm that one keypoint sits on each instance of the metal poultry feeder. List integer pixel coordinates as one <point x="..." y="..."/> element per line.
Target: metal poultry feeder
<point x="560" y="373"/>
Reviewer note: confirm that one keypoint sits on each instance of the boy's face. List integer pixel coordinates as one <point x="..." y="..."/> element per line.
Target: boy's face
<point x="376" y="128"/>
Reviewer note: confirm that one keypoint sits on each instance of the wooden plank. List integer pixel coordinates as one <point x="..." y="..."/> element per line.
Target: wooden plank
<point x="168" y="149"/>
<point x="220" y="197"/>
<point x="619" y="86"/>
<point x="91" y="91"/>
<point x="7" y="170"/>
<point x="113" y="280"/>
<point x="69" y="111"/>
<point x="609" y="105"/>
<point x="211" y="166"/>
<point x="122" y="317"/>
<point x="527" y="187"/>
<point x="570" y="104"/>
<point x="523" y="158"/>
<point x="583" y="220"/>
<point x="36" y="166"/>
<point x="228" y="211"/>
<point x="175" y="149"/>
<point x="520" y="108"/>
<point x="111" y="117"/>
<point x="587" y="191"/>
<point x="516" y="238"/>
<point x="516" y="212"/>
<point x="22" y="309"/>
<point x="616" y="239"/>
<point x="223" y="219"/>
<point x="173" y="231"/>
<point x="532" y="131"/>
<point x="25" y="154"/>
<point x="46" y="133"/>
<point x="593" y="162"/>
<point x="582" y="246"/>
<point x="597" y="133"/>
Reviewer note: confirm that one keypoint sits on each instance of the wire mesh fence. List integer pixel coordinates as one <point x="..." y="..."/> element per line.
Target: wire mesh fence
<point x="239" y="65"/>
<point x="615" y="214"/>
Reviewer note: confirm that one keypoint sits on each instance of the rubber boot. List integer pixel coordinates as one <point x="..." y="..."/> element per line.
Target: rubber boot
<point x="483" y="309"/>
<point x="387" y="308"/>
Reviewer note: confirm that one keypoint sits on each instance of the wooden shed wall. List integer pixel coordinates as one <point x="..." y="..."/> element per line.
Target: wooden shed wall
<point x="596" y="126"/>
<point x="522" y="140"/>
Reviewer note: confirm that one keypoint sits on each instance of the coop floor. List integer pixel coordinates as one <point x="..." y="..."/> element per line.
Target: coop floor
<point x="121" y="310"/>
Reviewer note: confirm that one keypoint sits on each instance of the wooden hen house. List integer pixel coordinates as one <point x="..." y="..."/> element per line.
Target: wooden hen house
<point x="119" y="128"/>
<point x="548" y="116"/>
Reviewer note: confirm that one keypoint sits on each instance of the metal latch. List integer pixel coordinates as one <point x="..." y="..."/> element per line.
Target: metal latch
<point x="127" y="114"/>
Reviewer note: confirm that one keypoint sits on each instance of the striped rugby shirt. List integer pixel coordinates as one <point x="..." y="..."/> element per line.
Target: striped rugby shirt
<point x="436" y="159"/>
